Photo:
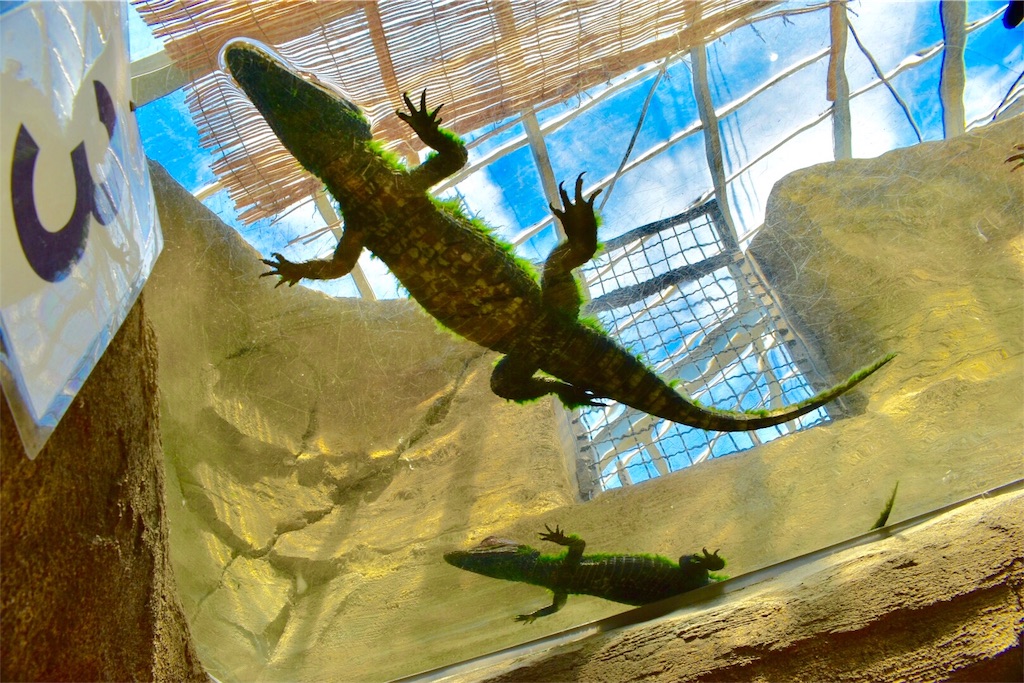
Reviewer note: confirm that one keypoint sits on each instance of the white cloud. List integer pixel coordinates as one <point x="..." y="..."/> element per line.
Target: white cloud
<point x="487" y="199"/>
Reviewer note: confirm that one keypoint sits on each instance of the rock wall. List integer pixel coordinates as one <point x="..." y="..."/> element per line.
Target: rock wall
<point x="919" y="251"/>
<point x="86" y="591"/>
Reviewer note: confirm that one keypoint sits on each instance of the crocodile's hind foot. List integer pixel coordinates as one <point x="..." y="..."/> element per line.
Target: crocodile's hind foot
<point x="574" y="397"/>
<point x="514" y="380"/>
<point x="711" y="561"/>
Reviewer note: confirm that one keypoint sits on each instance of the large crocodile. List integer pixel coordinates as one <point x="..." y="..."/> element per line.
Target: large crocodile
<point x="629" y="579"/>
<point x="457" y="271"/>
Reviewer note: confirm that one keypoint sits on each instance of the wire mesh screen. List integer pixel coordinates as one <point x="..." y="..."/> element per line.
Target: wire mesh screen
<point x="681" y="293"/>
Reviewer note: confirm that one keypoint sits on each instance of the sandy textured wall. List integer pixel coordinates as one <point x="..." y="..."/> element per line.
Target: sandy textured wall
<point x="322" y="455"/>
<point x="920" y="251"/>
<point x="86" y="588"/>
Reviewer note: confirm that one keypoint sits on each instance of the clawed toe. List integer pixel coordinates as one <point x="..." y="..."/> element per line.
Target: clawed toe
<point x="423" y="121"/>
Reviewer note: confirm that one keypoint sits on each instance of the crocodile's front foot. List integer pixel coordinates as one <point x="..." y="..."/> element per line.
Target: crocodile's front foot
<point x="526" y="618"/>
<point x="557" y="536"/>
<point x="1018" y="158"/>
<point x="578" y="219"/>
<point x="424" y="123"/>
<point x="289" y="272"/>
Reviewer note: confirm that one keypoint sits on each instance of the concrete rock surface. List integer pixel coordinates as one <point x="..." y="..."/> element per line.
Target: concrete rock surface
<point x="86" y="588"/>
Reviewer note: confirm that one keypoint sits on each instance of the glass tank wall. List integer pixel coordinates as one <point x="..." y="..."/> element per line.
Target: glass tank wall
<point x="327" y="444"/>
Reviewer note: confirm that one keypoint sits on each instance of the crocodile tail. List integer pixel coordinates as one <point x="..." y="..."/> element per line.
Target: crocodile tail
<point x="589" y="359"/>
<point x="686" y="412"/>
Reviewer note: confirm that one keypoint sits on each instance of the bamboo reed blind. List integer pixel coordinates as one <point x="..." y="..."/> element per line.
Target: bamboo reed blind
<point x="485" y="59"/>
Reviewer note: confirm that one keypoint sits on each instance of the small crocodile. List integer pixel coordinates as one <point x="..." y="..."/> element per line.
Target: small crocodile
<point x="464" y="277"/>
<point x="629" y="579"/>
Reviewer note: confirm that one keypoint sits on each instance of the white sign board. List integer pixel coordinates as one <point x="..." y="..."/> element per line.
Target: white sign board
<point x="78" y="227"/>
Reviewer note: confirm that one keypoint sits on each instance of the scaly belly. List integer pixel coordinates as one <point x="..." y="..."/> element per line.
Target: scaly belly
<point x="463" y="279"/>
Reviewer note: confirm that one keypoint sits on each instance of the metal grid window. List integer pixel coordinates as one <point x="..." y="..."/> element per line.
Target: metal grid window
<point x="681" y="294"/>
